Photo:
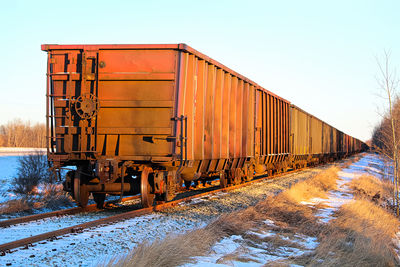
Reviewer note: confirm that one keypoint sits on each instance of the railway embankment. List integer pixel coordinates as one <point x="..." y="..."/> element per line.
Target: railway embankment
<point x="339" y="217"/>
<point x="87" y="247"/>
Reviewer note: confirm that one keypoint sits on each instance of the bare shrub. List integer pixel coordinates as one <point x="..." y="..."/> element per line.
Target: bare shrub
<point x="361" y="235"/>
<point x="34" y="182"/>
<point x="32" y="170"/>
<point x="53" y="197"/>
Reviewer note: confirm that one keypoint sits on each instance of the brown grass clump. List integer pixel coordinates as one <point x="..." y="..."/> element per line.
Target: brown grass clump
<point x="51" y="197"/>
<point x="173" y="250"/>
<point x="15" y="206"/>
<point x="317" y="186"/>
<point x="361" y="235"/>
<point x="348" y="162"/>
<point x="372" y="188"/>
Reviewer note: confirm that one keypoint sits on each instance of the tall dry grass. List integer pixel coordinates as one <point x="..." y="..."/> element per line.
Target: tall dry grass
<point x="372" y="188"/>
<point x="362" y="232"/>
<point x="174" y="250"/>
<point x="285" y="209"/>
<point x="348" y="162"/>
<point x="51" y="196"/>
<point x="361" y="235"/>
<point x="317" y="186"/>
<point x="16" y="206"/>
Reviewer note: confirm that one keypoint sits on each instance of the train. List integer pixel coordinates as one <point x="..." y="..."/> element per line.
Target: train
<point x="147" y="119"/>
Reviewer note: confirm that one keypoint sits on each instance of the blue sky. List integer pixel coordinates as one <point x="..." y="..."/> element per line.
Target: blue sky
<point x="320" y="55"/>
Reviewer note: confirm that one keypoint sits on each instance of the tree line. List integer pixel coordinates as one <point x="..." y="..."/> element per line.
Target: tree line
<point x="386" y="135"/>
<point x="19" y="133"/>
<point x="382" y="136"/>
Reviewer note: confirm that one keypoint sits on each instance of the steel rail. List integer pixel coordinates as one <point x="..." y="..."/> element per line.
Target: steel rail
<point x="45" y="215"/>
<point x="4" y="248"/>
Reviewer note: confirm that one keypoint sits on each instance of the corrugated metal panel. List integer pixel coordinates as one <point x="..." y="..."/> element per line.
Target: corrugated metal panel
<point x="316" y="136"/>
<point x="300" y="131"/>
<point x="272" y="124"/>
<point x="326" y="138"/>
<point x="220" y="111"/>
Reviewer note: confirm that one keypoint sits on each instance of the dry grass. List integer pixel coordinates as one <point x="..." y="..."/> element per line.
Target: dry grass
<point x="15" y="206"/>
<point x="350" y="161"/>
<point x="174" y="250"/>
<point x="51" y="197"/>
<point x="285" y="209"/>
<point x="363" y="231"/>
<point x="317" y="186"/>
<point x="372" y="188"/>
<point x="361" y="235"/>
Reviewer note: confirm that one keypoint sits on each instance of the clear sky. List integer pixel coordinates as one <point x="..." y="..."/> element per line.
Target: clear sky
<point x="320" y="55"/>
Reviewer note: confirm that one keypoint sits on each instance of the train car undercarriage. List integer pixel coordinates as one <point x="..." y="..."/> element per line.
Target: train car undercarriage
<point x="162" y="183"/>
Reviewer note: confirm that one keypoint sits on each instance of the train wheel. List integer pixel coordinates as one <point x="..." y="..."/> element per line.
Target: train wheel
<point x="99" y="198"/>
<point x="81" y="195"/>
<point x="145" y="187"/>
<point x="223" y="181"/>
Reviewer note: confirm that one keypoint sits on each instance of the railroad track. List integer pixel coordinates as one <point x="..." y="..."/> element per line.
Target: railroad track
<point x="56" y="213"/>
<point x="26" y="242"/>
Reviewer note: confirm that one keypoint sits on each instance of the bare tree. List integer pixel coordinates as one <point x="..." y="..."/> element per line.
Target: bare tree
<point x="385" y="137"/>
<point x="18" y="133"/>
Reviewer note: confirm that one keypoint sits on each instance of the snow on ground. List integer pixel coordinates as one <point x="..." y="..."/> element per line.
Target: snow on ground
<point x="8" y="168"/>
<point x="86" y="248"/>
<point x="239" y="251"/>
<point x="20" y="151"/>
<point x="28" y="229"/>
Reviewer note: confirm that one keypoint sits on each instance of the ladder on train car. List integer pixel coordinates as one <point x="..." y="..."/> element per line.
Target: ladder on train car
<point x="70" y="118"/>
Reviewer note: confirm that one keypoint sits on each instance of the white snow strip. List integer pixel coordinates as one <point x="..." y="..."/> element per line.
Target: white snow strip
<point x="20" y="151"/>
<point x="269" y="222"/>
<point x="261" y="235"/>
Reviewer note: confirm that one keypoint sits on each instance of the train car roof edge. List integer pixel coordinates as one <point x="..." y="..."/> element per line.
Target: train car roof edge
<point x="181" y="46"/>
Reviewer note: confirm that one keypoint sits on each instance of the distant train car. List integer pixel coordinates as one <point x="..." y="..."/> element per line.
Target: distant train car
<point x="312" y="140"/>
<point x="146" y="118"/>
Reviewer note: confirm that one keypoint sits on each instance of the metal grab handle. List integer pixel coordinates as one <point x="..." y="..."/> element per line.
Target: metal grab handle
<point x="183" y="141"/>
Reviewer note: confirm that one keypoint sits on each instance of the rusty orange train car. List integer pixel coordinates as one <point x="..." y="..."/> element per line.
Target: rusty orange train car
<point x="143" y="119"/>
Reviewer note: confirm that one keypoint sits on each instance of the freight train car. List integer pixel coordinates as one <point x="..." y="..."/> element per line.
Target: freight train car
<point x="314" y="141"/>
<point x="146" y="118"/>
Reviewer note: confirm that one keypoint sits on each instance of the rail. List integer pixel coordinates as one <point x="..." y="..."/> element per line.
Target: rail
<point x="71" y="211"/>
